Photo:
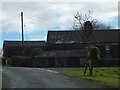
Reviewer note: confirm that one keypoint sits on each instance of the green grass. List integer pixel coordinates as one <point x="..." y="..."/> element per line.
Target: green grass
<point x="105" y="76"/>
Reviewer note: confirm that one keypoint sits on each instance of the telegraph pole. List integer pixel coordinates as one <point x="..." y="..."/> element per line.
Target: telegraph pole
<point x="22" y="32"/>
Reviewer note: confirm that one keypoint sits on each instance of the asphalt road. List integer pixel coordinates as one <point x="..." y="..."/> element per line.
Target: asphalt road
<point x="19" y="77"/>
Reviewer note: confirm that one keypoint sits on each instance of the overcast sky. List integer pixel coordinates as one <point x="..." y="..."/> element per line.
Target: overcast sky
<point x="39" y="17"/>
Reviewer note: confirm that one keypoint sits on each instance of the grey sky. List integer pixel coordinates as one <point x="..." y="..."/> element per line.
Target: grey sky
<point x="46" y="15"/>
<point x="43" y="15"/>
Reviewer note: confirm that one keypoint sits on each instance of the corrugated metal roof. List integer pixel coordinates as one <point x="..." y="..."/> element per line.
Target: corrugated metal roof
<point x="26" y="43"/>
<point x="98" y="36"/>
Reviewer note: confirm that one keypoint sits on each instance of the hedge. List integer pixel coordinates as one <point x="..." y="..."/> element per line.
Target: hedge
<point x="21" y="61"/>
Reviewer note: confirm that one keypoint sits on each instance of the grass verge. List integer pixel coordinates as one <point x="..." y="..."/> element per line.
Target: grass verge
<point x="105" y="76"/>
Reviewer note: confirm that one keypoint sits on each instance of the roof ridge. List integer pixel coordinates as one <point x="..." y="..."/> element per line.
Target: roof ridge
<point x="81" y="30"/>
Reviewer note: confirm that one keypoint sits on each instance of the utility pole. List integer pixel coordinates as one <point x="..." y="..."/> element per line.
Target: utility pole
<point x="22" y="32"/>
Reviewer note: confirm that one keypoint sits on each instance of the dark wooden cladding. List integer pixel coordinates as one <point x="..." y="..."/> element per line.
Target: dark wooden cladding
<point x="11" y="48"/>
<point x="66" y="48"/>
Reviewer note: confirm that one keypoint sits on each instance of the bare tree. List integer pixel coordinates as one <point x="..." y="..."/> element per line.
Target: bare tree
<point x="80" y="19"/>
<point x="87" y="24"/>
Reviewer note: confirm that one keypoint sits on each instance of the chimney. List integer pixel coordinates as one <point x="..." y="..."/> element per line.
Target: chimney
<point x="88" y="26"/>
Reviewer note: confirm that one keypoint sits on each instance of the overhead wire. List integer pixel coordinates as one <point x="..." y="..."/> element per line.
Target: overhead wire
<point x="9" y="20"/>
<point x="33" y="17"/>
<point x="42" y="9"/>
<point x="36" y="19"/>
<point x="15" y="16"/>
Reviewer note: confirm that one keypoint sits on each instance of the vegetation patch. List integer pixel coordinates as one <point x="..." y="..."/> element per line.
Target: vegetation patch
<point x="106" y="76"/>
<point x="21" y="61"/>
<point x="36" y="51"/>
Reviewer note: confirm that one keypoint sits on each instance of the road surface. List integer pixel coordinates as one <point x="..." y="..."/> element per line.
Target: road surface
<point x="20" y="77"/>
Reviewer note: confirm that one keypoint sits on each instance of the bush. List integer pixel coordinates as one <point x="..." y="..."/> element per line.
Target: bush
<point x="94" y="53"/>
<point x="36" y="51"/>
<point x="21" y="61"/>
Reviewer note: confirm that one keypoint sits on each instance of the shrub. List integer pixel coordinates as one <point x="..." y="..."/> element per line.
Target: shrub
<point x="21" y="61"/>
<point x="36" y="51"/>
<point x="94" y="53"/>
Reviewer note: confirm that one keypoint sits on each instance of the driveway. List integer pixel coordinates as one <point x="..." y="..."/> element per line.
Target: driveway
<point x="20" y="77"/>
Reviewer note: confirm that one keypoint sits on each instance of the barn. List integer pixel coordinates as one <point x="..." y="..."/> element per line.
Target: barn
<point x="107" y="40"/>
<point x="66" y="48"/>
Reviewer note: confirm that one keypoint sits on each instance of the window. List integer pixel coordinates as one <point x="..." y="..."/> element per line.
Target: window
<point x="108" y="53"/>
<point x="107" y="47"/>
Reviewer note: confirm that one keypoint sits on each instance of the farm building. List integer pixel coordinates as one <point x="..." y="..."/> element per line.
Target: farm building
<point x="107" y="40"/>
<point x="60" y="58"/>
<point x="13" y="48"/>
<point x="65" y="48"/>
